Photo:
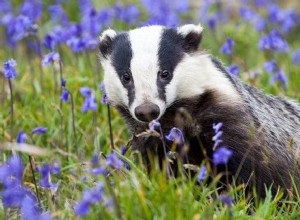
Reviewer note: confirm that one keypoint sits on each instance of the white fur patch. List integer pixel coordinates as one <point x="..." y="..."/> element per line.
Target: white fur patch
<point x="144" y="66"/>
<point x="188" y="28"/>
<point x="108" y="33"/>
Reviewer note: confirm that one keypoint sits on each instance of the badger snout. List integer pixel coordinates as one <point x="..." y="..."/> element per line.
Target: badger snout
<point x="147" y="112"/>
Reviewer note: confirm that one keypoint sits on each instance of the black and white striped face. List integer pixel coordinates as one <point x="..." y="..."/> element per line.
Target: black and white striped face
<point x="143" y="67"/>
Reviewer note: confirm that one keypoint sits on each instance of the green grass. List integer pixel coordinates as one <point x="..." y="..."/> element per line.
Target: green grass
<point x="137" y="195"/>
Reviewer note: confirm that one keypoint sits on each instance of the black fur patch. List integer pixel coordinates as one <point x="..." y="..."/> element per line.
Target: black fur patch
<point x="121" y="56"/>
<point x="169" y="55"/>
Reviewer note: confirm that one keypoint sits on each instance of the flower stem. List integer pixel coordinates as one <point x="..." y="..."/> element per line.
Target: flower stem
<point x="73" y="115"/>
<point x="33" y="178"/>
<point x="110" y="129"/>
<point x="11" y="110"/>
<point x="60" y="105"/>
<point x="38" y="42"/>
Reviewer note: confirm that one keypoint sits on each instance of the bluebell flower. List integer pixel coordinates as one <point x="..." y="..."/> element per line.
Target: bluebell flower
<point x="234" y="70"/>
<point x="89" y="22"/>
<point x="39" y="130"/>
<point x="14" y="196"/>
<point x="90" y="101"/>
<point x="123" y="151"/>
<point x="56" y="12"/>
<point x="182" y="6"/>
<point x="85" y="91"/>
<point x="114" y="161"/>
<point x="175" y="135"/>
<point x="202" y="174"/>
<point x="222" y="155"/>
<point x="65" y="95"/>
<point x="281" y="77"/>
<point x="271" y="66"/>
<point x="273" y="41"/>
<point x="76" y="44"/>
<point x="31" y="211"/>
<point x="99" y="171"/>
<point x="102" y="87"/>
<point x="226" y="199"/>
<point x="50" y="58"/>
<point x="104" y="99"/>
<point x="226" y="48"/>
<point x="296" y="57"/>
<point x="49" y="42"/>
<point x="32" y="9"/>
<point x="45" y="171"/>
<point x="154" y="124"/>
<point x="105" y="16"/>
<point x="9" y="69"/>
<point x="11" y="173"/>
<point x="21" y="137"/>
<point x="90" y="42"/>
<point x="90" y="196"/>
<point x="129" y="14"/>
<point x="63" y="82"/>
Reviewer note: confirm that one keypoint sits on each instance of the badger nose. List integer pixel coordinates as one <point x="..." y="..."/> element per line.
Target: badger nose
<point x="147" y="112"/>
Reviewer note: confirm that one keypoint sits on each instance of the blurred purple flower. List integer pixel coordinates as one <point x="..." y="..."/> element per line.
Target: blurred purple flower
<point x="14" y="196"/>
<point x="90" y="101"/>
<point x="281" y="77"/>
<point x="49" y="42"/>
<point x="123" y="151"/>
<point x="234" y="70"/>
<point x="11" y="172"/>
<point x="39" y="130"/>
<point x="50" y="58"/>
<point x="32" y="9"/>
<point x="226" y="48"/>
<point x="90" y="196"/>
<point x="114" y="161"/>
<point x="182" y="6"/>
<point x="175" y="135"/>
<point x="89" y="22"/>
<point x="104" y="99"/>
<point x="45" y="171"/>
<point x="31" y="211"/>
<point x="202" y="174"/>
<point x="102" y="87"/>
<point x="21" y="137"/>
<point x="273" y="41"/>
<point x="56" y="12"/>
<point x="226" y="199"/>
<point x="63" y="82"/>
<point x="222" y="155"/>
<point x="271" y="66"/>
<point x="65" y="95"/>
<point x="76" y="44"/>
<point x="129" y="14"/>
<point x="154" y="124"/>
<point x="9" y="69"/>
<point x="296" y="57"/>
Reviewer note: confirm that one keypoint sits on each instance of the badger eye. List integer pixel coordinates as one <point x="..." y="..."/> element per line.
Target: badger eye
<point x="164" y="75"/>
<point x="126" y="78"/>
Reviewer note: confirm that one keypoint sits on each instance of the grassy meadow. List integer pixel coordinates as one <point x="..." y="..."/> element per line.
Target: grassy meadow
<point x="76" y="174"/>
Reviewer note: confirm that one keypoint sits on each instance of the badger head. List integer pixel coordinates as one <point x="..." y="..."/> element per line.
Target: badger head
<point x="147" y="69"/>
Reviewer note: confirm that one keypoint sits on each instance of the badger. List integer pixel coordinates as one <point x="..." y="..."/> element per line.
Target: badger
<point x="160" y="73"/>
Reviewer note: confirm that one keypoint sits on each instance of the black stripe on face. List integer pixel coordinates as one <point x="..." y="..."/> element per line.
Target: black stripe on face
<point x="170" y="54"/>
<point x="121" y="56"/>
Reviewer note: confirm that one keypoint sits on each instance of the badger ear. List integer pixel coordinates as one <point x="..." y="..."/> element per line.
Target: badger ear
<point x="192" y="35"/>
<point x="106" y="39"/>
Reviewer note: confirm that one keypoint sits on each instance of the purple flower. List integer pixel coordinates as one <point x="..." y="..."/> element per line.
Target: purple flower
<point x="39" y="130"/>
<point x="32" y="9"/>
<point x="63" y="82"/>
<point x="234" y="70"/>
<point x="175" y="135"/>
<point x="273" y="41"/>
<point x="102" y="87"/>
<point x="65" y="95"/>
<point x="281" y="77"/>
<point x="222" y="155"/>
<point x="271" y="66"/>
<point x="90" y="196"/>
<point x="45" y="171"/>
<point x="226" y="200"/>
<point x="76" y="44"/>
<point x="21" y="137"/>
<point x="9" y="69"/>
<point x="153" y="125"/>
<point x="11" y="172"/>
<point x="226" y="48"/>
<point x="49" y="42"/>
<point x="30" y="210"/>
<point x="296" y="57"/>
<point x="90" y="101"/>
<point x="202" y="174"/>
<point x="50" y="58"/>
<point x="123" y="151"/>
<point x="114" y="161"/>
<point x="14" y="196"/>
<point x="129" y="14"/>
<point x="104" y="99"/>
<point x="56" y="12"/>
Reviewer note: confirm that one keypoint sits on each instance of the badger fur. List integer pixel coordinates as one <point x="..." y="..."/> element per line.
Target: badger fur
<point x="156" y="72"/>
